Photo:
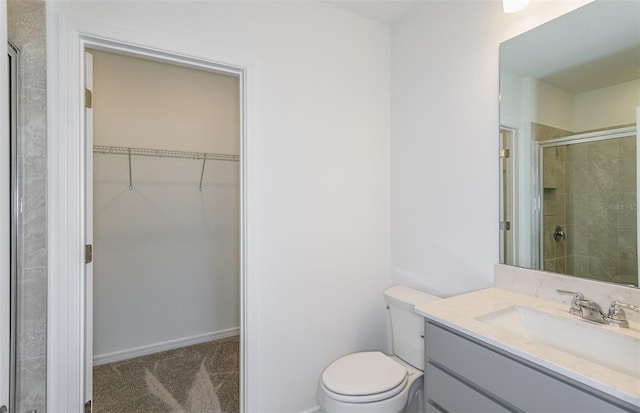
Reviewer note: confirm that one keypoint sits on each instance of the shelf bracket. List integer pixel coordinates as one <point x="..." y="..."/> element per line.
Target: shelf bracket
<point x="130" y="179"/>
<point x="204" y="161"/>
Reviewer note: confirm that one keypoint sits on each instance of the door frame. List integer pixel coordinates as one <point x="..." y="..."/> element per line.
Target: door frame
<point x="67" y="194"/>
<point x="509" y="202"/>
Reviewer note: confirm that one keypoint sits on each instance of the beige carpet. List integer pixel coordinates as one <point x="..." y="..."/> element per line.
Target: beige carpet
<point x="199" y="378"/>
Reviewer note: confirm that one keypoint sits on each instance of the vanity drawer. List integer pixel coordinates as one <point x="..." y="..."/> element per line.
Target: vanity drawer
<point x="452" y="395"/>
<point x="507" y="378"/>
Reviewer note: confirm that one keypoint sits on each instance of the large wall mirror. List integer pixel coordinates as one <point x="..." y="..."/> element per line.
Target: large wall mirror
<point x="569" y="108"/>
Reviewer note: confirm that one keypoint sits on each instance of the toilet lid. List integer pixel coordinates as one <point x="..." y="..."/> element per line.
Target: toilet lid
<point x="363" y="374"/>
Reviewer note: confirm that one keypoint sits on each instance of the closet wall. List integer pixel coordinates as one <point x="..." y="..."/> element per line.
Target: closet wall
<point x="166" y="265"/>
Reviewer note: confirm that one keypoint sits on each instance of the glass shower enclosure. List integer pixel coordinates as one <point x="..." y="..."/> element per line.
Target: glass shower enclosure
<point x="586" y="201"/>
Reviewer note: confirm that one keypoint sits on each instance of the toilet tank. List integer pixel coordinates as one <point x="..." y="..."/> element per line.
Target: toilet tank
<point x="407" y="327"/>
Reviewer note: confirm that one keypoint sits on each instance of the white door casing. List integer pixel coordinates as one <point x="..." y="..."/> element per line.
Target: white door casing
<point x="68" y="361"/>
<point x="88" y="174"/>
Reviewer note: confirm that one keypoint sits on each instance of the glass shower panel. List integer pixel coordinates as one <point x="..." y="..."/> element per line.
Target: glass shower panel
<point x="589" y="203"/>
<point x="13" y="53"/>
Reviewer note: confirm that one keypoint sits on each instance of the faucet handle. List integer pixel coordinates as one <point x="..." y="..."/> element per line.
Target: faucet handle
<point x="575" y="306"/>
<point x="617" y="316"/>
<point x="619" y="304"/>
<point x="567" y="292"/>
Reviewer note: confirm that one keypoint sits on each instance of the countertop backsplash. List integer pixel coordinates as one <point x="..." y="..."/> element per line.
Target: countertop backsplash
<point x="544" y="285"/>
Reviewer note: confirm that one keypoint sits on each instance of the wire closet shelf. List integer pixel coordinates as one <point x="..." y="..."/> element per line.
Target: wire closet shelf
<point x="117" y="150"/>
<point x="161" y="153"/>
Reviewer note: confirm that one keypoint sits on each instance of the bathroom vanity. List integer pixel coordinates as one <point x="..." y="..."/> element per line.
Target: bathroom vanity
<point x="463" y="374"/>
<point x="496" y="350"/>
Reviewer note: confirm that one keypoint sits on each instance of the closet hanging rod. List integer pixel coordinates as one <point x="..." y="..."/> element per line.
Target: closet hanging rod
<point x="161" y="153"/>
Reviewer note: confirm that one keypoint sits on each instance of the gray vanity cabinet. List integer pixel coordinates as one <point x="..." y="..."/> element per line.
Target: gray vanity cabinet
<point x="463" y="374"/>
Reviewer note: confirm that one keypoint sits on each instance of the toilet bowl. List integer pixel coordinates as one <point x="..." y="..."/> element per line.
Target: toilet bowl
<point x="370" y="382"/>
<point x="373" y="382"/>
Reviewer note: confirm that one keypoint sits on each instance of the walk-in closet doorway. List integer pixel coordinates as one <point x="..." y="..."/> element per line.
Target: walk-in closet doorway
<point x="163" y="231"/>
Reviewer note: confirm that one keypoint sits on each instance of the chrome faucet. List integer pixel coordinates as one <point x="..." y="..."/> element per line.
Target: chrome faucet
<point x="590" y="310"/>
<point x="585" y="308"/>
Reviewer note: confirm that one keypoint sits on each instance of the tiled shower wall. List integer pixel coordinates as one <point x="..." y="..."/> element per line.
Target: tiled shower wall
<point x="26" y="27"/>
<point x="590" y="190"/>
<point x="604" y="210"/>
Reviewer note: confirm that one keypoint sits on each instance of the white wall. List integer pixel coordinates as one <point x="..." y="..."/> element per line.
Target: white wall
<point x="525" y="99"/>
<point x="318" y="189"/>
<point x="166" y="267"/>
<point x="444" y="153"/>
<point x="148" y="104"/>
<point x="605" y="107"/>
<point x="511" y="99"/>
<point x="552" y="106"/>
<point x="609" y="106"/>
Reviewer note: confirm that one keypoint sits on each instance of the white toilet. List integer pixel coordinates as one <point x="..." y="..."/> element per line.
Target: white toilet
<point x="373" y="382"/>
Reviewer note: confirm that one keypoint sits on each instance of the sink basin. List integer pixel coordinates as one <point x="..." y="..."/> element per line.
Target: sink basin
<point x="597" y="343"/>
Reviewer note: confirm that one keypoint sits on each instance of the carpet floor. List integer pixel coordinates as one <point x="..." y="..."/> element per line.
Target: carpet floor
<point x="199" y="378"/>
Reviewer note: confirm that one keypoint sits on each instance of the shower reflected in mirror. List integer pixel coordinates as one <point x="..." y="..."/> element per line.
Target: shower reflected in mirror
<point x="586" y="193"/>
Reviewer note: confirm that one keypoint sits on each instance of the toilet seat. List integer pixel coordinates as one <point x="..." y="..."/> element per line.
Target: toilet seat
<point x="364" y="377"/>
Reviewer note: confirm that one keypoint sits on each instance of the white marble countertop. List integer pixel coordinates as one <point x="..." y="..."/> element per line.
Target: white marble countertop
<point x="460" y="312"/>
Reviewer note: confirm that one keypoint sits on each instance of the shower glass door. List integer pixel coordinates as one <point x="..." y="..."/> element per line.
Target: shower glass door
<point x="14" y="211"/>
<point x="588" y="214"/>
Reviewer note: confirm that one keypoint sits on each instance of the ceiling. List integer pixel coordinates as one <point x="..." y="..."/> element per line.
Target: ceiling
<point x="383" y="11"/>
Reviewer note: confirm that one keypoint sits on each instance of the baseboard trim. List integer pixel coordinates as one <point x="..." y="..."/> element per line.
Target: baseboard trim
<point x="166" y="345"/>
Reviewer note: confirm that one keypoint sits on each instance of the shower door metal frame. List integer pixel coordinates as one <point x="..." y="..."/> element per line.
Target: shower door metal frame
<point x="537" y="225"/>
<point x="13" y="53"/>
<point x="5" y="220"/>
